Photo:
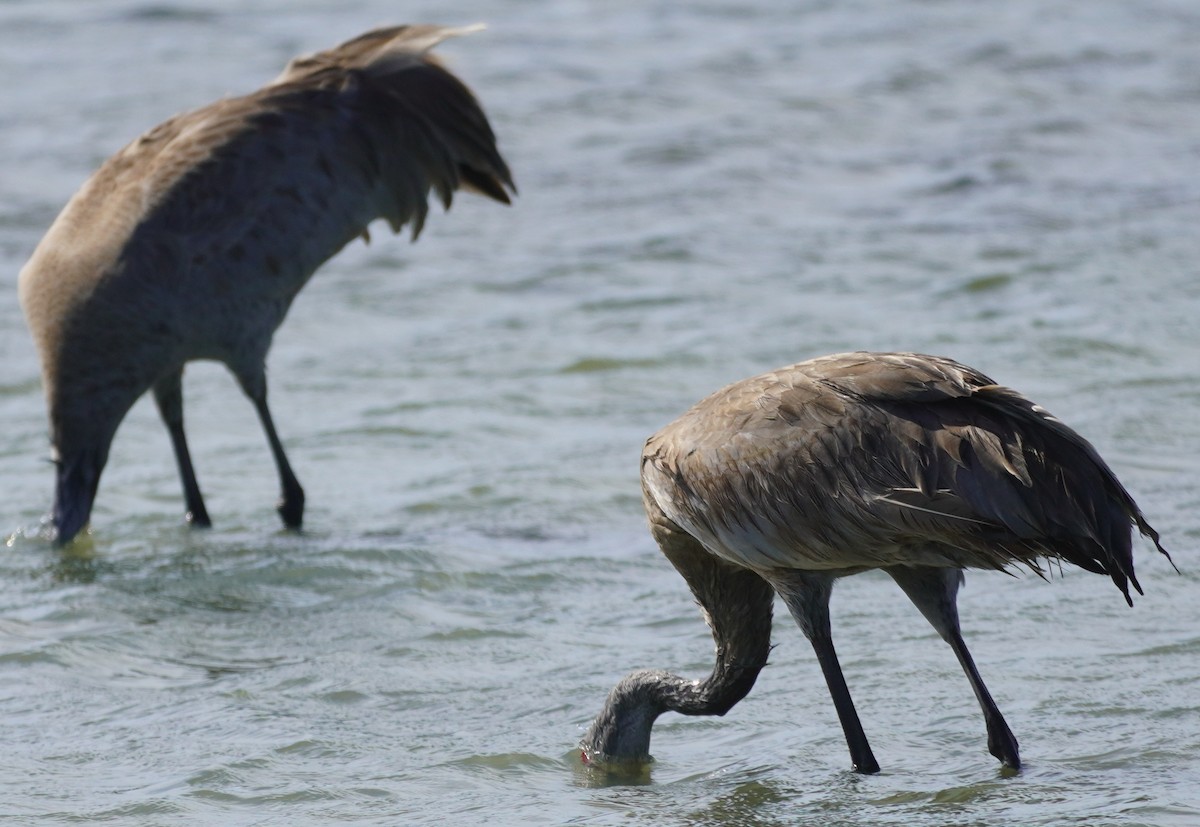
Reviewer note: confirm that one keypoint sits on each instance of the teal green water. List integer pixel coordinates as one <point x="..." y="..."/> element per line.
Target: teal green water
<point x="708" y="190"/>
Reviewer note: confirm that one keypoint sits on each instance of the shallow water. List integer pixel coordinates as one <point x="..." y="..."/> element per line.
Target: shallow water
<point x="708" y="190"/>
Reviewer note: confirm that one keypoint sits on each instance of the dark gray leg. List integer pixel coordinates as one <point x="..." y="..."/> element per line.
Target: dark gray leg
<point x="935" y="592"/>
<point x="168" y="394"/>
<point x="807" y="597"/>
<point x="291" y="501"/>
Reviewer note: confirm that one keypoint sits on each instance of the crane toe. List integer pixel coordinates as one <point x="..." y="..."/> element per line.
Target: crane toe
<point x="198" y="517"/>
<point x="1003" y="745"/>
<point x="291" y="507"/>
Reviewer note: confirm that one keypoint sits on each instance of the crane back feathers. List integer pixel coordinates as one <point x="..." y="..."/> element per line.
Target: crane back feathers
<point x="858" y="461"/>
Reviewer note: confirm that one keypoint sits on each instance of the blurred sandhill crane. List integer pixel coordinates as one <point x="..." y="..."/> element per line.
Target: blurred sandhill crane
<point x="912" y="464"/>
<point x="192" y="241"/>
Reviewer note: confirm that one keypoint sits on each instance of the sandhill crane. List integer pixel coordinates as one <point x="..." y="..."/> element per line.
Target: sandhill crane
<point x="193" y="240"/>
<point x="912" y="464"/>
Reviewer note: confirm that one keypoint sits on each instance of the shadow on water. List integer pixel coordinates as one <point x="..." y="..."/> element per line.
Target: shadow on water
<point x="86" y="561"/>
<point x="77" y="564"/>
<point x="829" y="802"/>
<point x="738" y="794"/>
<point x="750" y="802"/>
<point x="741" y="796"/>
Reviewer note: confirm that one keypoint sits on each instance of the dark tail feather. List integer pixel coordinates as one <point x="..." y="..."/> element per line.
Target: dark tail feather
<point x="1113" y="555"/>
<point x="1105" y="512"/>
<point x="439" y="120"/>
<point x="489" y="185"/>
<point x="1148" y="531"/>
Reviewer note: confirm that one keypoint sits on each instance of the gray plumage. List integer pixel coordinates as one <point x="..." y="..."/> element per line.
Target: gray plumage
<point x="912" y="464"/>
<point x="192" y="241"/>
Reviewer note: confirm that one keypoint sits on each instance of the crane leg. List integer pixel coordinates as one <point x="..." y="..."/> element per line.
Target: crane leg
<point x="807" y="597"/>
<point x="935" y="592"/>
<point x="291" y="499"/>
<point x="168" y="395"/>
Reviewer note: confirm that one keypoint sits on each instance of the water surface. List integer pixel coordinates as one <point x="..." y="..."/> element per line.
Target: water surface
<point x="708" y="190"/>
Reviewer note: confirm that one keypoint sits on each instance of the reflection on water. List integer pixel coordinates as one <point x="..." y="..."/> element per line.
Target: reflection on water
<point x="707" y="191"/>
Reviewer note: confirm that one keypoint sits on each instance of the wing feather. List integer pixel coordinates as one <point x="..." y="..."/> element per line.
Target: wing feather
<point x="363" y="131"/>
<point x="845" y="460"/>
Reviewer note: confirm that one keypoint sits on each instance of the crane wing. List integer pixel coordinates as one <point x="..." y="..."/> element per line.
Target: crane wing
<point x="291" y="173"/>
<point x="844" y="461"/>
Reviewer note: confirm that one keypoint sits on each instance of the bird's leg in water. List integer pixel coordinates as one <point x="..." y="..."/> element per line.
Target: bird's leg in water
<point x="168" y="394"/>
<point x="935" y="592"/>
<point x="291" y="501"/>
<point x="807" y="597"/>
